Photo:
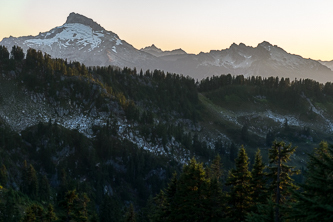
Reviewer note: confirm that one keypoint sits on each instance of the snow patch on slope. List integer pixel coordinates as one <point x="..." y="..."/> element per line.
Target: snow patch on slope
<point x="72" y="32"/>
<point x="118" y="42"/>
<point x="320" y="113"/>
<point x="229" y="62"/>
<point x="282" y="118"/>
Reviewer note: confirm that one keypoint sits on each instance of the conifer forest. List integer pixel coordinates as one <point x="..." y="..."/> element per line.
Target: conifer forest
<point x="109" y="144"/>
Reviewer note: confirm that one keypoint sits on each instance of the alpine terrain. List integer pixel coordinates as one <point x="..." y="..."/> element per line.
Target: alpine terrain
<point x="92" y="129"/>
<point x="83" y="40"/>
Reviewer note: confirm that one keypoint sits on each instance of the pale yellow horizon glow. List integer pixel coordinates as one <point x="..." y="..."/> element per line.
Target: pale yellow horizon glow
<point x="299" y="27"/>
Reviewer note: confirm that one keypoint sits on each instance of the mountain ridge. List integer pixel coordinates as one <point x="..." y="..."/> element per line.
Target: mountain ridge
<point x="82" y="39"/>
<point x="153" y="50"/>
<point x="329" y="64"/>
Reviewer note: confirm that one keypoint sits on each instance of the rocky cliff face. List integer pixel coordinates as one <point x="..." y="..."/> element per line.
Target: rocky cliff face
<point x="80" y="19"/>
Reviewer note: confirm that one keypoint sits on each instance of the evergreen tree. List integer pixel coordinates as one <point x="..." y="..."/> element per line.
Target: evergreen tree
<point x="32" y="182"/>
<point x="216" y="168"/>
<point x="3" y="176"/>
<point x="192" y="191"/>
<point x="167" y="200"/>
<point x="4" y="54"/>
<point x="11" y="211"/>
<point x="34" y="213"/>
<point x="94" y="217"/>
<point x="279" y="174"/>
<point x="191" y="197"/>
<point x="50" y="216"/>
<point x="68" y="205"/>
<point x="31" y="59"/>
<point x="110" y="210"/>
<point x="17" y="53"/>
<point x="24" y="178"/>
<point x="258" y="181"/>
<point x="263" y="213"/>
<point x="315" y="202"/>
<point x="2" y="211"/>
<point x="80" y="208"/>
<point x="64" y="185"/>
<point x="239" y="181"/>
<point x="263" y="207"/>
<point x="130" y="214"/>
<point x="159" y="208"/>
<point x="216" y="203"/>
<point x="44" y="189"/>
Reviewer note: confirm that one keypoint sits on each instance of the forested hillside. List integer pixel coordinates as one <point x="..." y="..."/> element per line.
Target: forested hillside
<point x="102" y="144"/>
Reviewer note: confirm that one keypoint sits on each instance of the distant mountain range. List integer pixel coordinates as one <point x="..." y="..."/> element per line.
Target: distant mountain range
<point x="329" y="64"/>
<point x="153" y="50"/>
<point x="83" y="40"/>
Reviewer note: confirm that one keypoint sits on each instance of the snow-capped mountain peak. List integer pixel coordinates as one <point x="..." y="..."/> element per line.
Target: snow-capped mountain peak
<point x="82" y="39"/>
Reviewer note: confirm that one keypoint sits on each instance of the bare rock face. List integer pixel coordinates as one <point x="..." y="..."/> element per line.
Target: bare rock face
<point x="77" y="18"/>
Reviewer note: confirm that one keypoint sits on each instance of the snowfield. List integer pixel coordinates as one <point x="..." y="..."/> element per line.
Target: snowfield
<point x="69" y="34"/>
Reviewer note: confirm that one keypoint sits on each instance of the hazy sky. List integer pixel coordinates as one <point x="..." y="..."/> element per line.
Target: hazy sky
<point x="303" y="27"/>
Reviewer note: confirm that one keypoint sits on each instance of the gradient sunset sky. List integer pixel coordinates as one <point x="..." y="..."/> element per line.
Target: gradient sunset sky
<point x="303" y="27"/>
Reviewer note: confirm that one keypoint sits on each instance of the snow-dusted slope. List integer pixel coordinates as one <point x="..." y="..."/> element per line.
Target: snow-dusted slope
<point x="264" y="60"/>
<point x="81" y="39"/>
<point x="153" y="50"/>
<point x="68" y="34"/>
<point x="21" y="108"/>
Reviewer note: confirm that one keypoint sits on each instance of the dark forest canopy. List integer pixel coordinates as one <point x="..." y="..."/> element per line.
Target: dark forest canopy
<point x="155" y="89"/>
<point x="55" y="174"/>
<point x="266" y="85"/>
